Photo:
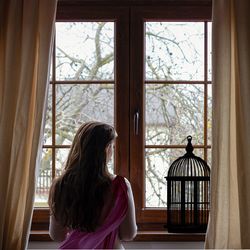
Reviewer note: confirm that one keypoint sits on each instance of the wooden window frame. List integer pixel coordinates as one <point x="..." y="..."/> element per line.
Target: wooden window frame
<point x="149" y="218"/>
<point x="119" y="15"/>
<point x="129" y="89"/>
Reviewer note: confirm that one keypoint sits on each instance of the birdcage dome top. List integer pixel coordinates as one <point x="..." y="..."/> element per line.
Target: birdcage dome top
<point x="189" y="165"/>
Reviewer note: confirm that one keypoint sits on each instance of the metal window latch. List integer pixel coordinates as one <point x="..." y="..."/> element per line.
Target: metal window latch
<point x="136" y="123"/>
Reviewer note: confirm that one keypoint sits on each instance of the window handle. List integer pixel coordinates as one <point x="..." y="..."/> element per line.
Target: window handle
<point x="136" y="123"/>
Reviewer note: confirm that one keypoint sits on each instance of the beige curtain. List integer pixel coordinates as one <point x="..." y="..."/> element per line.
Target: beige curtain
<point x="26" y="32"/>
<point x="229" y="225"/>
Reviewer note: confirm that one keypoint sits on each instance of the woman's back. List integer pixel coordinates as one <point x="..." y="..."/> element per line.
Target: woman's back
<point x="118" y="224"/>
<point x="86" y="203"/>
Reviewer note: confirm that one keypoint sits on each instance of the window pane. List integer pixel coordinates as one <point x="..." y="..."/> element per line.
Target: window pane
<point x="51" y="69"/>
<point x="157" y="162"/>
<point x="209" y="43"/>
<point x="175" y="50"/>
<point x="209" y="122"/>
<point x="44" y="179"/>
<point x="48" y="123"/>
<point x="174" y="111"/>
<point x="110" y="164"/>
<point x="209" y="158"/>
<point x="61" y="157"/>
<point x="84" y="50"/>
<point x="76" y="104"/>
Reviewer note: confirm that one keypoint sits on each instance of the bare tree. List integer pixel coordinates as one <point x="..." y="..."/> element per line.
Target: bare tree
<point x="172" y="110"/>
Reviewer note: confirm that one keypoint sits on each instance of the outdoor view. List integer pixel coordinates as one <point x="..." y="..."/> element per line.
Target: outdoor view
<point x="177" y="95"/>
<point x="174" y="99"/>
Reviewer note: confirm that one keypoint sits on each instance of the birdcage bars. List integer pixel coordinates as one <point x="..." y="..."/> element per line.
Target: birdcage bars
<point x="188" y="183"/>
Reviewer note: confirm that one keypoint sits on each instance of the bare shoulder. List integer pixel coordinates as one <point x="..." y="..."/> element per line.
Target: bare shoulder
<point x="128" y="227"/>
<point x="127" y="182"/>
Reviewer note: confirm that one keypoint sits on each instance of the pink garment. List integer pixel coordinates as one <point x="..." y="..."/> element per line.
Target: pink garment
<point x="104" y="237"/>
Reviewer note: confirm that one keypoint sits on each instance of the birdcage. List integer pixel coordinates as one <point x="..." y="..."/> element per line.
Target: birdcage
<point x="188" y="193"/>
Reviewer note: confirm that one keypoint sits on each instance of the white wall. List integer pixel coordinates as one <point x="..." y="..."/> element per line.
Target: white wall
<point x="131" y="245"/>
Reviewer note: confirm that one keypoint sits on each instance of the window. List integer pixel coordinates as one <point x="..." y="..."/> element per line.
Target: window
<point x="173" y="98"/>
<point x="81" y="89"/>
<point x="145" y="69"/>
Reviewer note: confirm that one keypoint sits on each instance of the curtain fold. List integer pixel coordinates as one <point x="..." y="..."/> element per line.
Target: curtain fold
<point x="229" y="223"/>
<point x="26" y="36"/>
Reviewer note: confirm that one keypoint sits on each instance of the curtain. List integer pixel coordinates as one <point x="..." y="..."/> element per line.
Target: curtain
<point x="26" y="35"/>
<point x="229" y="223"/>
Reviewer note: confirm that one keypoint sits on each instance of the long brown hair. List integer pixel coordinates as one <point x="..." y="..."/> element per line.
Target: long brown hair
<point x="76" y="198"/>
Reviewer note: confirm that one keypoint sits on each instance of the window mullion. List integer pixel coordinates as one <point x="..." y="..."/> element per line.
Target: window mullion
<point x="137" y="105"/>
<point x="54" y="109"/>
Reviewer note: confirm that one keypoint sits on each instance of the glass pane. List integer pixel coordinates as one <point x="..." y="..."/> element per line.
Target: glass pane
<point x="209" y="43"/>
<point x="174" y="111"/>
<point x="175" y="50"/>
<point x="48" y="122"/>
<point x="209" y="158"/>
<point x="84" y="50"/>
<point x="51" y="69"/>
<point x="76" y="104"/>
<point x="209" y="109"/>
<point x="157" y="163"/>
<point x="44" y="179"/>
<point x="61" y="157"/>
<point x="110" y="164"/>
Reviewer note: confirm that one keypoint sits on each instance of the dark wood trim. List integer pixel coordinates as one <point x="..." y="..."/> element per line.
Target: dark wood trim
<point x="53" y="108"/>
<point x="153" y="215"/>
<point x="66" y="3"/>
<point x="205" y="89"/>
<point x="187" y="9"/>
<point x="40" y="219"/>
<point x="174" y="82"/>
<point x="89" y="13"/>
<point x="137" y="105"/>
<point x="85" y="82"/>
<point x="172" y="13"/>
<point x="122" y="92"/>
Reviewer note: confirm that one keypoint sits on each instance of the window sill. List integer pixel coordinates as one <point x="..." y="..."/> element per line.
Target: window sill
<point x="141" y="236"/>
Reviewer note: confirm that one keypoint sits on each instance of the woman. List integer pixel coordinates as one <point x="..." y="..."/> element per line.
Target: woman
<point x="91" y="208"/>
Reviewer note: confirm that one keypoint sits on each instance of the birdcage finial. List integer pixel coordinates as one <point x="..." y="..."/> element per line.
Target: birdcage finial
<point x="189" y="147"/>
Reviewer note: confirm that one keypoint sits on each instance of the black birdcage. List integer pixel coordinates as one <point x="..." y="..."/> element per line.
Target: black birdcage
<point x="188" y="193"/>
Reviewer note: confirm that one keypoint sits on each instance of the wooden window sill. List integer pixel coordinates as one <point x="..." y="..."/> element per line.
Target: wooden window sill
<point x="141" y="236"/>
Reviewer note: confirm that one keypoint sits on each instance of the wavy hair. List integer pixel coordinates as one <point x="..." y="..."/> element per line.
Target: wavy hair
<point x="77" y="197"/>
